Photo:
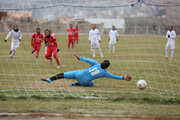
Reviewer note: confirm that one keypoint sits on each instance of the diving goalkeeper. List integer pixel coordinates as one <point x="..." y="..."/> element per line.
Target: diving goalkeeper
<point x="86" y="76"/>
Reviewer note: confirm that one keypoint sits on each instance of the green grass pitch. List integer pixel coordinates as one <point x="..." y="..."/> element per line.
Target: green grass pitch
<point x="142" y="57"/>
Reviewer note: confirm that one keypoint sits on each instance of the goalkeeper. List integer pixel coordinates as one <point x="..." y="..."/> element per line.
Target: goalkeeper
<point x="86" y="76"/>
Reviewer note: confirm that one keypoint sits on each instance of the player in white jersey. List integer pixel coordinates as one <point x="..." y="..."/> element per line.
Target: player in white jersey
<point x="95" y="39"/>
<point x="15" y="41"/>
<point x="113" y="34"/>
<point x="170" y="35"/>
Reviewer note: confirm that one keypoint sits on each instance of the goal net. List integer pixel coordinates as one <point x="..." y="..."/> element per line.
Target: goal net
<point x="140" y="51"/>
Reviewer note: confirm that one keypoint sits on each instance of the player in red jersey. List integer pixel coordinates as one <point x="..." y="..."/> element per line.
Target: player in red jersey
<point x="52" y="47"/>
<point x="36" y="40"/>
<point x="76" y="34"/>
<point x="70" y="32"/>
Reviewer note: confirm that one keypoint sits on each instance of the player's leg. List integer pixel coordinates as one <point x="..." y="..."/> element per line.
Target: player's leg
<point x="48" y="55"/>
<point x="72" y="42"/>
<point x="69" y="41"/>
<point x="100" y="51"/>
<point x="110" y="47"/>
<point x="55" y="56"/>
<point x="172" y="47"/>
<point x="13" y="49"/>
<point x="34" y="48"/>
<point x="93" y="51"/>
<point x="166" y="50"/>
<point x="114" y="47"/>
<point x="67" y="75"/>
<point x="38" y="49"/>
<point x="172" y="53"/>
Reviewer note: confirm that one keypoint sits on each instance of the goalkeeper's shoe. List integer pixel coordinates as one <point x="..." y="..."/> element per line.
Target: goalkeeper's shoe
<point x="46" y="80"/>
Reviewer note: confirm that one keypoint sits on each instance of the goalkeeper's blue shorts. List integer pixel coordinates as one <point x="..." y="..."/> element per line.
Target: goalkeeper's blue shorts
<point x="73" y="75"/>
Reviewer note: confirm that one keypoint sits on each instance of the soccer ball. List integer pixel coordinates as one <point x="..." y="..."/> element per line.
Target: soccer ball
<point x="141" y="84"/>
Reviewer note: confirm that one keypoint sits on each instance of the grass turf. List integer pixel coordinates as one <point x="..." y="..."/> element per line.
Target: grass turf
<point x="139" y="56"/>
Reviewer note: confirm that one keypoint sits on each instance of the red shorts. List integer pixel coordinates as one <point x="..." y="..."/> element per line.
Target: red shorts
<point x="36" y="47"/>
<point x="50" y="51"/>
<point x="76" y="36"/>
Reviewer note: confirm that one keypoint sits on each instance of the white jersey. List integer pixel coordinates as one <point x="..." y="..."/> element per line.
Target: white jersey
<point x="113" y="36"/>
<point x="94" y="37"/>
<point x="15" y="35"/>
<point x="15" y="39"/>
<point x="171" y="42"/>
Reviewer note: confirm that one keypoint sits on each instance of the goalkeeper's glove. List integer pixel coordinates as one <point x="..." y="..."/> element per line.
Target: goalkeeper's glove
<point x="5" y="40"/>
<point x="77" y="56"/>
<point x="168" y="36"/>
<point x="58" y="50"/>
<point x="117" y="39"/>
<point x="127" y="78"/>
<point x="19" y="40"/>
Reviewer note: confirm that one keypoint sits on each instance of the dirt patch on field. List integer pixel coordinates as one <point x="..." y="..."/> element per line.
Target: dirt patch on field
<point x="70" y="116"/>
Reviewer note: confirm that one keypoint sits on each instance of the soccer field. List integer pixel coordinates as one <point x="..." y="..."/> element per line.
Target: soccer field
<point x="142" y="57"/>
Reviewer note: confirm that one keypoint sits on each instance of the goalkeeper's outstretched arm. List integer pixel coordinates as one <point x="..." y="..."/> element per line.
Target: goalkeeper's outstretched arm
<point x="88" y="60"/>
<point x="110" y="75"/>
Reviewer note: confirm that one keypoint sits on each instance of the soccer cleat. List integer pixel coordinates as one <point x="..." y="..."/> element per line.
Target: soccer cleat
<point x="11" y="57"/>
<point x="166" y="58"/>
<point x="58" y="67"/>
<point x="46" y="80"/>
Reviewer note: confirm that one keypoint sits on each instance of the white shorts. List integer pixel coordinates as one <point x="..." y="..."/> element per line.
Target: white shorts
<point x="170" y="45"/>
<point x="95" y="44"/>
<point x="112" y="42"/>
<point x="15" y="44"/>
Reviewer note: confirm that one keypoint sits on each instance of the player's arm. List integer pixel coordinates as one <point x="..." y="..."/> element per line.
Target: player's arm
<point x="9" y="34"/>
<point x="45" y="41"/>
<point x="173" y="35"/>
<point x="99" y="36"/>
<point x="110" y="75"/>
<point x="20" y="36"/>
<point x="87" y="60"/>
<point x="32" y="39"/>
<point x="42" y="37"/>
<point x="89" y="36"/>
<point x="116" y="35"/>
<point x="109" y="35"/>
<point x="167" y="35"/>
<point x="55" y="41"/>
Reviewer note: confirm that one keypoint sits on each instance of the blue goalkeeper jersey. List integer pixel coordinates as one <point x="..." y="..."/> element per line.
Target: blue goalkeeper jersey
<point x="89" y="74"/>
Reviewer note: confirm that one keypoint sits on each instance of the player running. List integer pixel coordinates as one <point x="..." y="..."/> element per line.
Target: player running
<point x="87" y="76"/>
<point x="70" y="32"/>
<point x="36" y="40"/>
<point x="113" y="34"/>
<point x="51" y="47"/>
<point x="15" y="40"/>
<point x="76" y="34"/>
<point x="170" y="35"/>
<point x="95" y="39"/>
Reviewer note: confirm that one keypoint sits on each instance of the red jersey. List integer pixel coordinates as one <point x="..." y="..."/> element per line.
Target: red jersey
<point x="37" y="38"/>
<point x="76" y="32"/>
<point x="70" y="33"/>
<point x="51" y="41"/>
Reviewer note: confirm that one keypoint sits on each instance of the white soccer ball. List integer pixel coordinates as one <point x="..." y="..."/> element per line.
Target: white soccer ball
<point x="141" y="84"/>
